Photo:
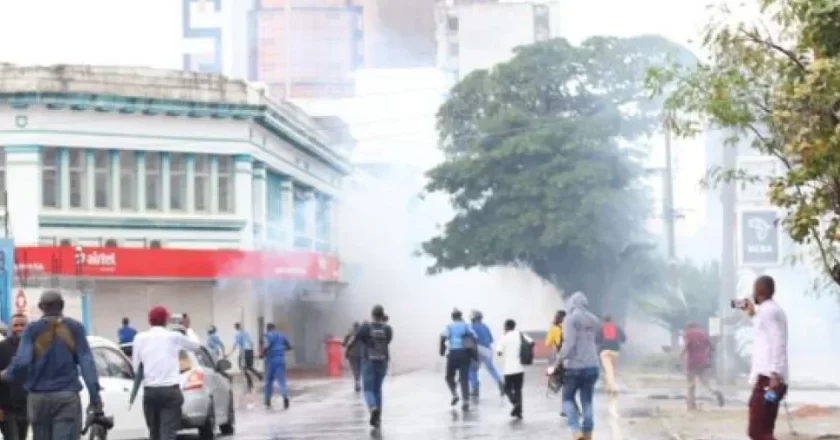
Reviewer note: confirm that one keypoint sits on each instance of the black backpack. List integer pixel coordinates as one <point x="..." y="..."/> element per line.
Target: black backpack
<point x="526" y="350"/>
<point x="470" y="344"/>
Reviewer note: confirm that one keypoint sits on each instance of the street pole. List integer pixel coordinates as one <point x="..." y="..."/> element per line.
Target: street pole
<point x="288" y="83"/>
<point x="669" y="213"/>
<point x="728" y="270"/>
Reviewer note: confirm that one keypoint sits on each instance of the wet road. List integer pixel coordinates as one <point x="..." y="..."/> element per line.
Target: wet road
<point x="417" y="407"/>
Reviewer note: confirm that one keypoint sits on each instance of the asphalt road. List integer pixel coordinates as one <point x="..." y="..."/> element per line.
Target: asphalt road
<point x="416" y="406"/>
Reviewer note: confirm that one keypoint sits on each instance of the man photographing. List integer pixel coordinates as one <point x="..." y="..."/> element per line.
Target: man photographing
<point x="769" y="372"/>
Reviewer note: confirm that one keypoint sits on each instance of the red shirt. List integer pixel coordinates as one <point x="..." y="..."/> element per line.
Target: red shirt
<point x="697" y="347"/>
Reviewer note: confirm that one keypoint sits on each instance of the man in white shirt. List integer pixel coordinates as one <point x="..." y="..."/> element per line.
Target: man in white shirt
<point x="157" y="351"/>
<point x="509" y="348"/>
<point x="769" y="372"/>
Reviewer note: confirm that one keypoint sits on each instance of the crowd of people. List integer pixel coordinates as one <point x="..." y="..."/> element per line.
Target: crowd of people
<point x="42" y="362"/>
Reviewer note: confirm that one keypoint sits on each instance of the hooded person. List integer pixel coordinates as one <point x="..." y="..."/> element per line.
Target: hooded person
<point x="579" y="356"/>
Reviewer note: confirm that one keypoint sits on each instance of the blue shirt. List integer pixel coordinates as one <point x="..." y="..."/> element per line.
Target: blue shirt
<point x="214" y="343"/>
<point x="242" y="340"/>
<point x="483" y="335"/>
<point x="276" y="345"/>
<point x="126" y="334"/>
<point x="454" y="334"/>
<point x="57" y="369"/>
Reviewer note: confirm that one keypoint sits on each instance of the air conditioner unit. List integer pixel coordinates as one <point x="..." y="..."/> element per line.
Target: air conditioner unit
<point x="66" y="242"/>
<point x="112" y="242"/>
<point x="155" y="244"/>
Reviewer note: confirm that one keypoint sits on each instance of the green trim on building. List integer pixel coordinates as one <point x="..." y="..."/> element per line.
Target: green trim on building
<point x="88" y="221"/>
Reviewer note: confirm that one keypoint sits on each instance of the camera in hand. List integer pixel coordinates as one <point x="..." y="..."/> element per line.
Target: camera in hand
<point x="739" y="303"/>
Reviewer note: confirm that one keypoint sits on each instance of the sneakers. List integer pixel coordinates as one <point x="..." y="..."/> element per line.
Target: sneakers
<point x="285" y="403"/>
<point x="455" y="400"/>
<point x="516" y="412"/>
<point x="375" y="417"/>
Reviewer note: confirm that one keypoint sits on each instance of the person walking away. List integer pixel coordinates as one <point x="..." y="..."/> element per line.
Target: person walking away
<point x="697" y="355"/>
<point x="460" y="340"/>
<point x="157" y="352"/>
<point x="769" y="370"/>
<point x="579" y="356"/>
<point x="485" y="355"/>
<point x="125" y="336"/>
<point x="510" y="349"/>
<point x="245" y="345"/>
<point x="276" y="346"/>
<point x="375" y="338"/>
<point x="554" y="336"/>
<point x="14" y="423"/>
<point x="352" y="353"/>
<point x="610" y="339"/>
<point x="53" y="351"/>
<point x="214" y="342"/>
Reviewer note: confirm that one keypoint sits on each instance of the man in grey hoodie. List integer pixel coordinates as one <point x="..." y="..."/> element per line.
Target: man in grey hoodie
<point x="579" y="355"/>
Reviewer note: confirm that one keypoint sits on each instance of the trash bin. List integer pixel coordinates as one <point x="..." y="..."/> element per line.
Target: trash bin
<point x="333" y="357"/>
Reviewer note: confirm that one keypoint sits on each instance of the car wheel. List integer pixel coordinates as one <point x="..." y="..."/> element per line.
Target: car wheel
<point x="207" y="431"/>
<point x="230" y="426"/>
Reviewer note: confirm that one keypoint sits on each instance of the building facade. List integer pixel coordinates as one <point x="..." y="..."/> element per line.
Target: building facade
<point x="477" y="34"/>
<point x="142" y="187"/>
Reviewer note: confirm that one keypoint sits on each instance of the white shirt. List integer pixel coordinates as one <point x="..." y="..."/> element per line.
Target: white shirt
<point x="770" y="341"/>
<point x="157" y="349"/>
<point x="508" y="348"/>
<point x="193" y="336"/>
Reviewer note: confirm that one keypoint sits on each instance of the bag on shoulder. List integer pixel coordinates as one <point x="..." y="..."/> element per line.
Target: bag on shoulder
<point x="526" y="350"/>
<point x="470" y="344"/>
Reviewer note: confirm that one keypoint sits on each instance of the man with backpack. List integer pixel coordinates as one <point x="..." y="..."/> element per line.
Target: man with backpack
<point x="374" y="339"/>
<point x="516" y="350"/>
<point x="610" y="339"/>
<point x="461" y="341"/>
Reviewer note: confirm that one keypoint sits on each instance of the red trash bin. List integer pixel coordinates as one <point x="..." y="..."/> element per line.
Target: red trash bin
<point x="334" y="357"/>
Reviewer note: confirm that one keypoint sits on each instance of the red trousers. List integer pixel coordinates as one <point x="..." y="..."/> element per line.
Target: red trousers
<point x="763" y="413"/>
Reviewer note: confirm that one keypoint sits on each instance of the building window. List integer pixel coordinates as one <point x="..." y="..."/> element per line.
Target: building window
<point x="226" y="184"/>
<point x="177" y="182"/>
<point x="128" y="180"/>
<point x="49" y="178"/>
<point x="323" y="221"/>
<point x="2" y="177"/>
<point x="102" y="179"/>
<point x="202" y="182"/>
<point x="154" y="184"/>
<point x="78" y="178"/>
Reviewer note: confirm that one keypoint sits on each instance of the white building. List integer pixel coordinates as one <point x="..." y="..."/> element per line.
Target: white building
<point x="183" y="189"/>
<point x="477" y="34"/>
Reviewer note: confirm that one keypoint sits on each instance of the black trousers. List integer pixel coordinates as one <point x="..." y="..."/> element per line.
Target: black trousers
<point x="15" y="426"/>
<point x="513" y="388"/>
<point x="247" y="366"/>
<point x="458" y="361"/>
<point x="162" y="409"/>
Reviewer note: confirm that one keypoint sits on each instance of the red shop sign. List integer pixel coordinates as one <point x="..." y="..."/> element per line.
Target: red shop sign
<point x="176" y="263"/>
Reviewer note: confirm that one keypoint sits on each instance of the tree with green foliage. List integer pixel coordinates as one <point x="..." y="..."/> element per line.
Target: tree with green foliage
<point x="536" y="171"/>
<point x="776" y="85"/>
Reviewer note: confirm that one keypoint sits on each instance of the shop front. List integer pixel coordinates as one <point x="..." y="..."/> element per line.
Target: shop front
<point x="215" y="287"/>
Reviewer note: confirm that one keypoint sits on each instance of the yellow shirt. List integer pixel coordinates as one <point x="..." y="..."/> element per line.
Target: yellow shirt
<point x="554" y="336"/>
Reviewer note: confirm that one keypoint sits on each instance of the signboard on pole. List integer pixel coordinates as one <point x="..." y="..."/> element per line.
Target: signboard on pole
<point x="761" y="169"/>
<point x="759" y="238"/>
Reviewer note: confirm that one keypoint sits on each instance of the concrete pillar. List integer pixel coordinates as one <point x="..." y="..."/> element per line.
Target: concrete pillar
<point x="214" y="184"/>
<point x="287" y="213"/>
<point x="64" y="178"/>
<point x="116" y="202"/>
<point x="189" y="162"/>
<point x="90" y="180"/>
<point x="243" y="199"/>
<point x="23" y="164"/>
<point x="259" y="211"/>
<point x="311" y="210"/>
<point x="164" y="182"/>
<point x="141" y="181"/>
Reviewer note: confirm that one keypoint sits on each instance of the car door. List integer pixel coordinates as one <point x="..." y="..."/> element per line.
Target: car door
<point x="216" y="382"/>
<point x="117" y="380"/>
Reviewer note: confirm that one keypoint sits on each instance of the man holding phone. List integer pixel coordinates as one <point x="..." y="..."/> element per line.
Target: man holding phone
<point x="769" y="372"/>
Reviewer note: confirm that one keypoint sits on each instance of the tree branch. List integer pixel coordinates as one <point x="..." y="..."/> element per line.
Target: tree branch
<point x="767" y="42"/>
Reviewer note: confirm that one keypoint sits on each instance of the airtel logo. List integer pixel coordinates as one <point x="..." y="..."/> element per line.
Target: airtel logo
<point x="101" y="259"/>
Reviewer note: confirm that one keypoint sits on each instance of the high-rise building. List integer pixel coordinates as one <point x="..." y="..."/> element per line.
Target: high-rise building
<point x="477" y="34"/>
<point x="399" y="33"/>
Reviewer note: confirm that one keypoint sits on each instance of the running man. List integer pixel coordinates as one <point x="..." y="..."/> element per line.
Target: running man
<point x="457" y="343"/>
<point x="485" y="355"/>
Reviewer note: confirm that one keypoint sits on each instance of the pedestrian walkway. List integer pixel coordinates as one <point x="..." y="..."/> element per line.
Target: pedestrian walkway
<point x="416" y="406"/>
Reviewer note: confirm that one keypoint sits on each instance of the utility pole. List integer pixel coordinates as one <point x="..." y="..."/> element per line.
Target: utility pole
<point x="669" y="213"/>
<point x="728" y="269"/>
<point x="288" y="83"/>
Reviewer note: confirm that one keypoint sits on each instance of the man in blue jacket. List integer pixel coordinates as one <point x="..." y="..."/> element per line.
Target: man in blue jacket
<point x="276" y="346"/>
<point x="485" y="355"/>
<point x="52" y="351"/>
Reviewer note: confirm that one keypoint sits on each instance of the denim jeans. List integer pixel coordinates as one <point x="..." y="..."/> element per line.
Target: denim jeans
<point x="580" y="380"/>
<point x="56" y="415"/>
<point x="373" y="374"/>
<point x="275" y="371"/>
<point x="485" y="357"/>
